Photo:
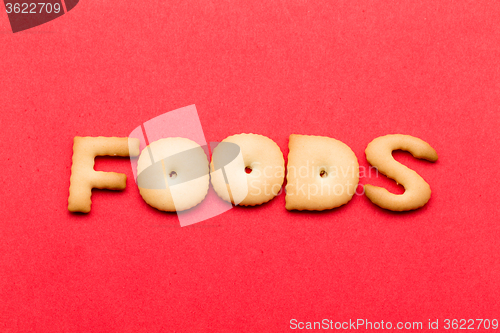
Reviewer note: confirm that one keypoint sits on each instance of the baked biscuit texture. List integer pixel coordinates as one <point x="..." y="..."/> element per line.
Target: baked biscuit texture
<point x="247" y="169"/>
<point x="173" y="174"/>
<point x="379" y="154"/>
<point x="322" y="173"/>
<point x="83" y="176"/>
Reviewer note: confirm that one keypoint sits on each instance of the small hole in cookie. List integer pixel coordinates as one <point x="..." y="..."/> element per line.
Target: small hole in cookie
<point x="173" y="174"/>
<point x="248" y="170"/>
<point x="323" y="174"/>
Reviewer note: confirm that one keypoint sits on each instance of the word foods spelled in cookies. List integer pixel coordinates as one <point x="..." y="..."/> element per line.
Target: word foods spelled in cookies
<point x="174" y="174"/>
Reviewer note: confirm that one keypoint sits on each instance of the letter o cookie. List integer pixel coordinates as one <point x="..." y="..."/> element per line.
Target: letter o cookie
<point x="247" y="169"/>
<point x="173" y="174"/>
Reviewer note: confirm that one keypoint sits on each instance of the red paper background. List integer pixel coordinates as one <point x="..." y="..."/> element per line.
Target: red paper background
<point x="348" y="70"/>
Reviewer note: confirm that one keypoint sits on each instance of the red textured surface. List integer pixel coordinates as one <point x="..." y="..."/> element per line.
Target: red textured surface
<point x="349" y="71"/>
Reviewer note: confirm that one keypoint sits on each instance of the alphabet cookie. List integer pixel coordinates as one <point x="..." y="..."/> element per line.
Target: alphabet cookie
<point x="379" y="154"/>
<point x="173" y="174"/>
<point x="83" y="176"/>
<point x="247" y="169"/>
<point x="322" y="173"/>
